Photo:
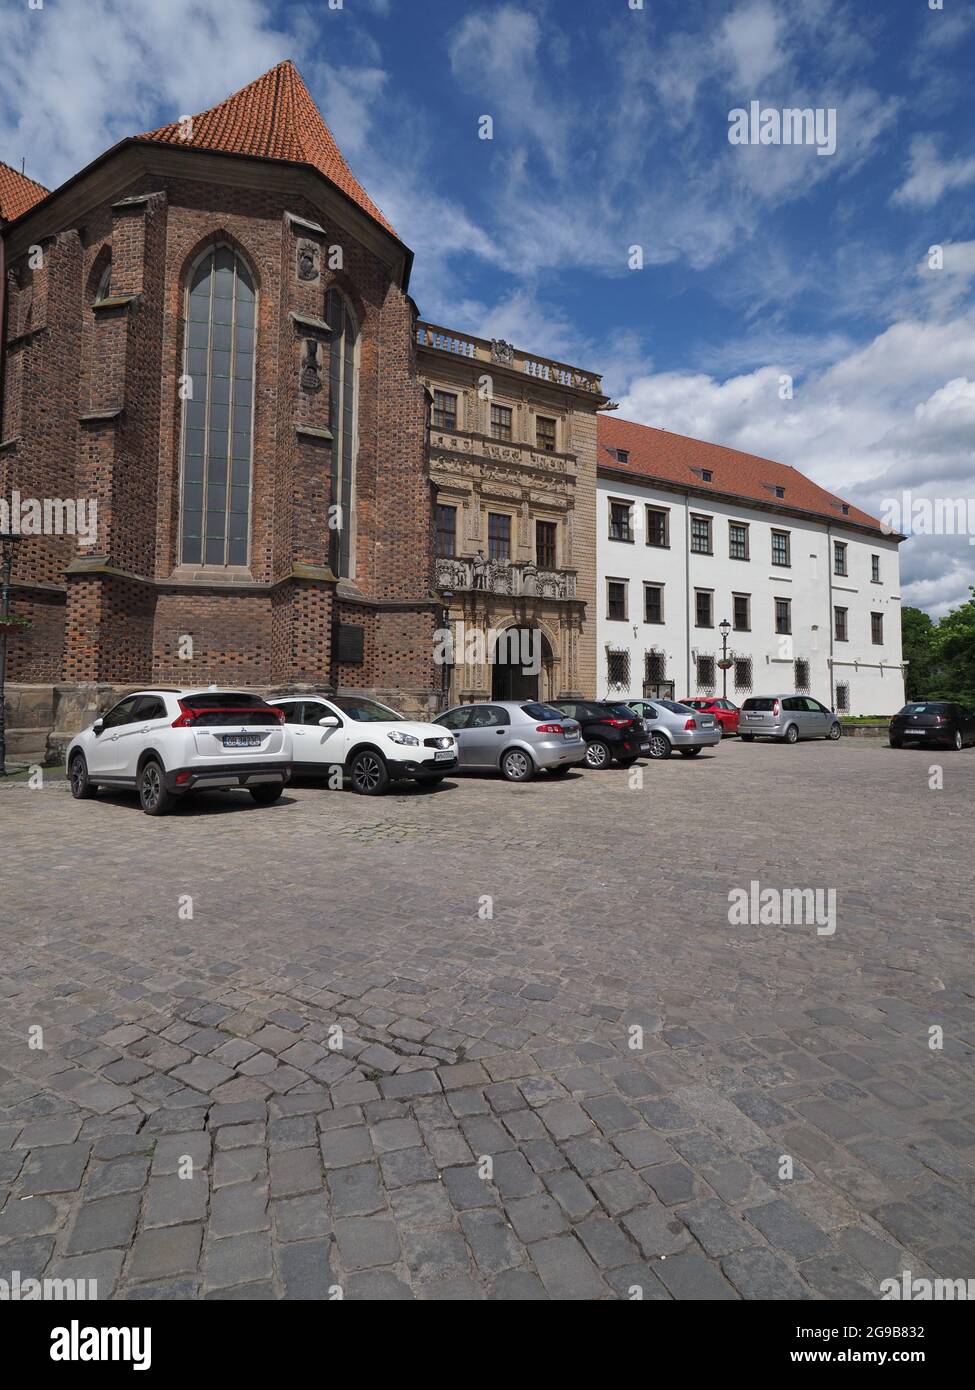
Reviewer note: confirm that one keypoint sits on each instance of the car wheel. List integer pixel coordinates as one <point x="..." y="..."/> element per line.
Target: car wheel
<point x="958" y="743"/>
<point x="266" y="792"/>
<point x="688" y="752"/>
<point x="835" y="732"/>
<point x="660" y="746"/>
<point x="746" y="738"/>
<point x="791" y="734"/>
<point x="517" y="766"/>
<point x="559" y="771"/>
<point x="154" y="799"/>
<point x="81" y="787"/>
<point x="598" y="755"/>
<point x="369" y="774"/>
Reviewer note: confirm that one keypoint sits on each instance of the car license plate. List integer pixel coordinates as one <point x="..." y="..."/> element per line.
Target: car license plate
<point x="570" y="735"/>
<point x="444" y="756"/>
<point x="242" y="741"/>
<point x="707" y="723"/>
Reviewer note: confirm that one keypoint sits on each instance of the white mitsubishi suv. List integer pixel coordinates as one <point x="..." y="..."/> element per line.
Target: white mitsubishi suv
<point x="165" y="743"/>
<point x="372" y="745"/>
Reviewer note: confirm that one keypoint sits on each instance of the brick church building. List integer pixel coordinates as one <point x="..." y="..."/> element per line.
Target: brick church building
<point x="208" y="334"/>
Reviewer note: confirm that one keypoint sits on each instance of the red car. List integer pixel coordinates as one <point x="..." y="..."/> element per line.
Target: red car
<point x="723" y="710"/>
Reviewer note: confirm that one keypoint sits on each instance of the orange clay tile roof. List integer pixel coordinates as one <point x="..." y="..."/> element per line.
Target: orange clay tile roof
<point x="273" y="117"/>
<point x="674" y="458"/>
<point x="17" y="193"/>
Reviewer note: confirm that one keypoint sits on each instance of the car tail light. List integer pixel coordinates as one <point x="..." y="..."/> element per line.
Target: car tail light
<point x="278" y="713"/>
<point x="549" y="729"/>
<point x="186" y="717"/>
<point x="619" y="723"/>
<point x="182" y="777"/>
<point x="775" y="707"/>
<point x="690" y="724"/>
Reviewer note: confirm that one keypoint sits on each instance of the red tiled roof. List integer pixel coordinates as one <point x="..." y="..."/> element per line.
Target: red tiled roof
<point x="273" y="117"/>
<point x="17" y="193"/>
<point x="673" y="458"/>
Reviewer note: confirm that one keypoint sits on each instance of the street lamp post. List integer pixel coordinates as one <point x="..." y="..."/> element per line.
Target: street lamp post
<point x="724" y="628"/>
<point x="7" y="539"/>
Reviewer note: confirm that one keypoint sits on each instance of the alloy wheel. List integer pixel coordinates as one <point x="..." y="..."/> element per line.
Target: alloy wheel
<point x="367" y="773"/>
<point x="151" y="787"/>
<point x="597" y="754"/>
<point x="516" y="766"/>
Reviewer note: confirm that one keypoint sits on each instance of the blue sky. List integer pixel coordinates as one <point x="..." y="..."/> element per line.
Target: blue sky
<point x="611" y="131"/>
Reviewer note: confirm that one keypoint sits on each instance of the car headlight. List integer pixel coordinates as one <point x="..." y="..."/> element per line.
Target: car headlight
<point x="397" y="737"/>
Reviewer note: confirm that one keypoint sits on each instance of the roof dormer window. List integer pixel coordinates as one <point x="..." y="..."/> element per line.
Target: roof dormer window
<point x="780" y="491"/>
<point x="622" y="455"/>
<point x="706" y="475"/>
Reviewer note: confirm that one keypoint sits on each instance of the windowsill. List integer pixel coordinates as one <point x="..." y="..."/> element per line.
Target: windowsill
<point x="781" y="564"/>
<point x="742" y="559"/>
<point x="702" y="552"/>
<point x="659" y="545"/>
<point x="611" y="619"/>
<point x="654" y="622"/>
<point x="741" y="629"/>
<point x="622" y="540"/>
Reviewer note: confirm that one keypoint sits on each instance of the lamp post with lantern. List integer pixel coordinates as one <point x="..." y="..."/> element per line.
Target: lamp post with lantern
<point x="724" y="627"/>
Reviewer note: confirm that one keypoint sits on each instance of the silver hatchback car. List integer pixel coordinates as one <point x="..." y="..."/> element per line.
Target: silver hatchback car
<point x="669" y="725"/>
<point x="519" y="737"/>
<point x="786" y="717"/>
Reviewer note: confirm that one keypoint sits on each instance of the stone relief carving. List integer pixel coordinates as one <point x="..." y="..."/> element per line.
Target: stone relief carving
<point x="308" y="261"/>
<point x="502" y="353"/>
<point x="311" y="365"/>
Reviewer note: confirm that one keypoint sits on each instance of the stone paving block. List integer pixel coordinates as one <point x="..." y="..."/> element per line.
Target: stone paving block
<point x="513" y="1176"/>
<point x="672" y="1182"/>
<point x="534" y="1218"/>
<point x="237" y="1260"/>
<point x="58" y="1168"/>
<point x="427" y="1204"/>
<point x="107" y="1224"/>
<point x="518" y="1286"/>
<point x="656" y="1231"/>
<point x="688" y="1275"/>
<point x="239" y="1209"/>
<point x="356" y="1191"/>
<point x="28" y="1216"/>
<point x="56" y="1130"/>
<point x="467" y="1189"/>
<point x="405" y="1167"/>
<point x="787" y="1229"/>
<point x="184" y="1152"/>
<point x="377" y="1286"/>
<point x="120" y="1175"/>
<point x="620" y="1189"/>
<point x="365" y="1242"/>
<point x="306" y="1270"/>
<point x="100" y="1271"/>
<point x="294" y="1171"/>
<point x="166" y="1251"/>
<point x="171" y="1200"/>
<point x="300" y="1218"/>
<point x="239" y="1165"/>
<point x="389" y="1135"/>
<point x="760" y="1273"/>
<point x="605" y="1241"/>
<point x="30" y="1256"/>
<point x="566" y="1270"/>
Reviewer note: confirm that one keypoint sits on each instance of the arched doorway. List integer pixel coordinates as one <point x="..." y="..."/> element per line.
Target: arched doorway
<point x="520" y="656"/>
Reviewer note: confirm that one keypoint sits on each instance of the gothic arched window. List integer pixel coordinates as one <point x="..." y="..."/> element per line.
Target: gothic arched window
<point x="344" y="360"/>
<point x="218" y="411"/>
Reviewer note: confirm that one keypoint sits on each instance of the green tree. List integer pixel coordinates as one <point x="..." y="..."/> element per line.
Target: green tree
<point x="918" y="637"/>
<point x="954" y="654"/>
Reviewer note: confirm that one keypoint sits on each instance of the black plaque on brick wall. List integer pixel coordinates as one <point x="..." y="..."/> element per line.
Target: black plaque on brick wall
<point x="348" y="644"/>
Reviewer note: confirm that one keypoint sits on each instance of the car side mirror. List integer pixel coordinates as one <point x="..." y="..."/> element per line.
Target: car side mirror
<point x="98" y="725"/>
<point x="328" y="722"/>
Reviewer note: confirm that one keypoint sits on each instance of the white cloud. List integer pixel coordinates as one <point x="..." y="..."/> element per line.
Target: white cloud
<point x="750" y="37"/>
<point x="896" y="413"/>
<point x="929" y="176"/>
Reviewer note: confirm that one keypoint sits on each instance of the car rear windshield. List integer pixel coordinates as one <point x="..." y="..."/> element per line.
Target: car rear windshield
<point x="758" y="702"/>
<point x="218" y="707"/>
<point x="543" y="712"/>
<point x="672" y="706"/>
<point x="937" y="707"/>
<point x="623" y="712"/>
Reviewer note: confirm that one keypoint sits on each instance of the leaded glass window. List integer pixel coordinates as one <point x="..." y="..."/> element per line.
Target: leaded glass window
<point x="343" y="373"/>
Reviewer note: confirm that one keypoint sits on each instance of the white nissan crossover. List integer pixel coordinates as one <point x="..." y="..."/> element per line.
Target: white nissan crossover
<point x="165" y="743"/>
<point x="367" y="742"/>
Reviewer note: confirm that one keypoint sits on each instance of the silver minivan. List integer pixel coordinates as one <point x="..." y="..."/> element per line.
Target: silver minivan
<point x="518" y="737"/>
<point x="786" y="717"/>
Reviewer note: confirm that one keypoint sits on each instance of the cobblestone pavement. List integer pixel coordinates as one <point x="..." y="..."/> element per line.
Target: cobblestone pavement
<point x="203" y="1045"/>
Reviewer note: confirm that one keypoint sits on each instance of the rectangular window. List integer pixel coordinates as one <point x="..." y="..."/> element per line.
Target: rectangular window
<point x="655" y="668"/>
<point x="658" y="526"/>
<point x="618" y="669"/>
<point x="842" y="699"/>
<point x="616" y="600"/>
<point x="780" y="548"/>
<point x="501" y="422"/>
<point x="742" y="612"/>
<point x="545" y="557"/>
<point x="783" y="615"/>
<point x="499" y="536"/>
<point x="653" y="603"/>
<point x="619" y="521"/>
<point x="800" y="673"/>
<point x="737" y="540"/>
<point x="705" y="672"/>
<point x="701" y="535"/>
<point x="877" y="629"/>
<point x="743" y="673"/>
<point x="703" y="608"/>
<point x="444" y="410"/>
<point x="839" y="558"/>
<point x="622" y="455"/>
<point x="545" y="433"/>
<point x="446" y="530"/>
<point x="875" y="568"/>
<point x="839" y="624"/>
